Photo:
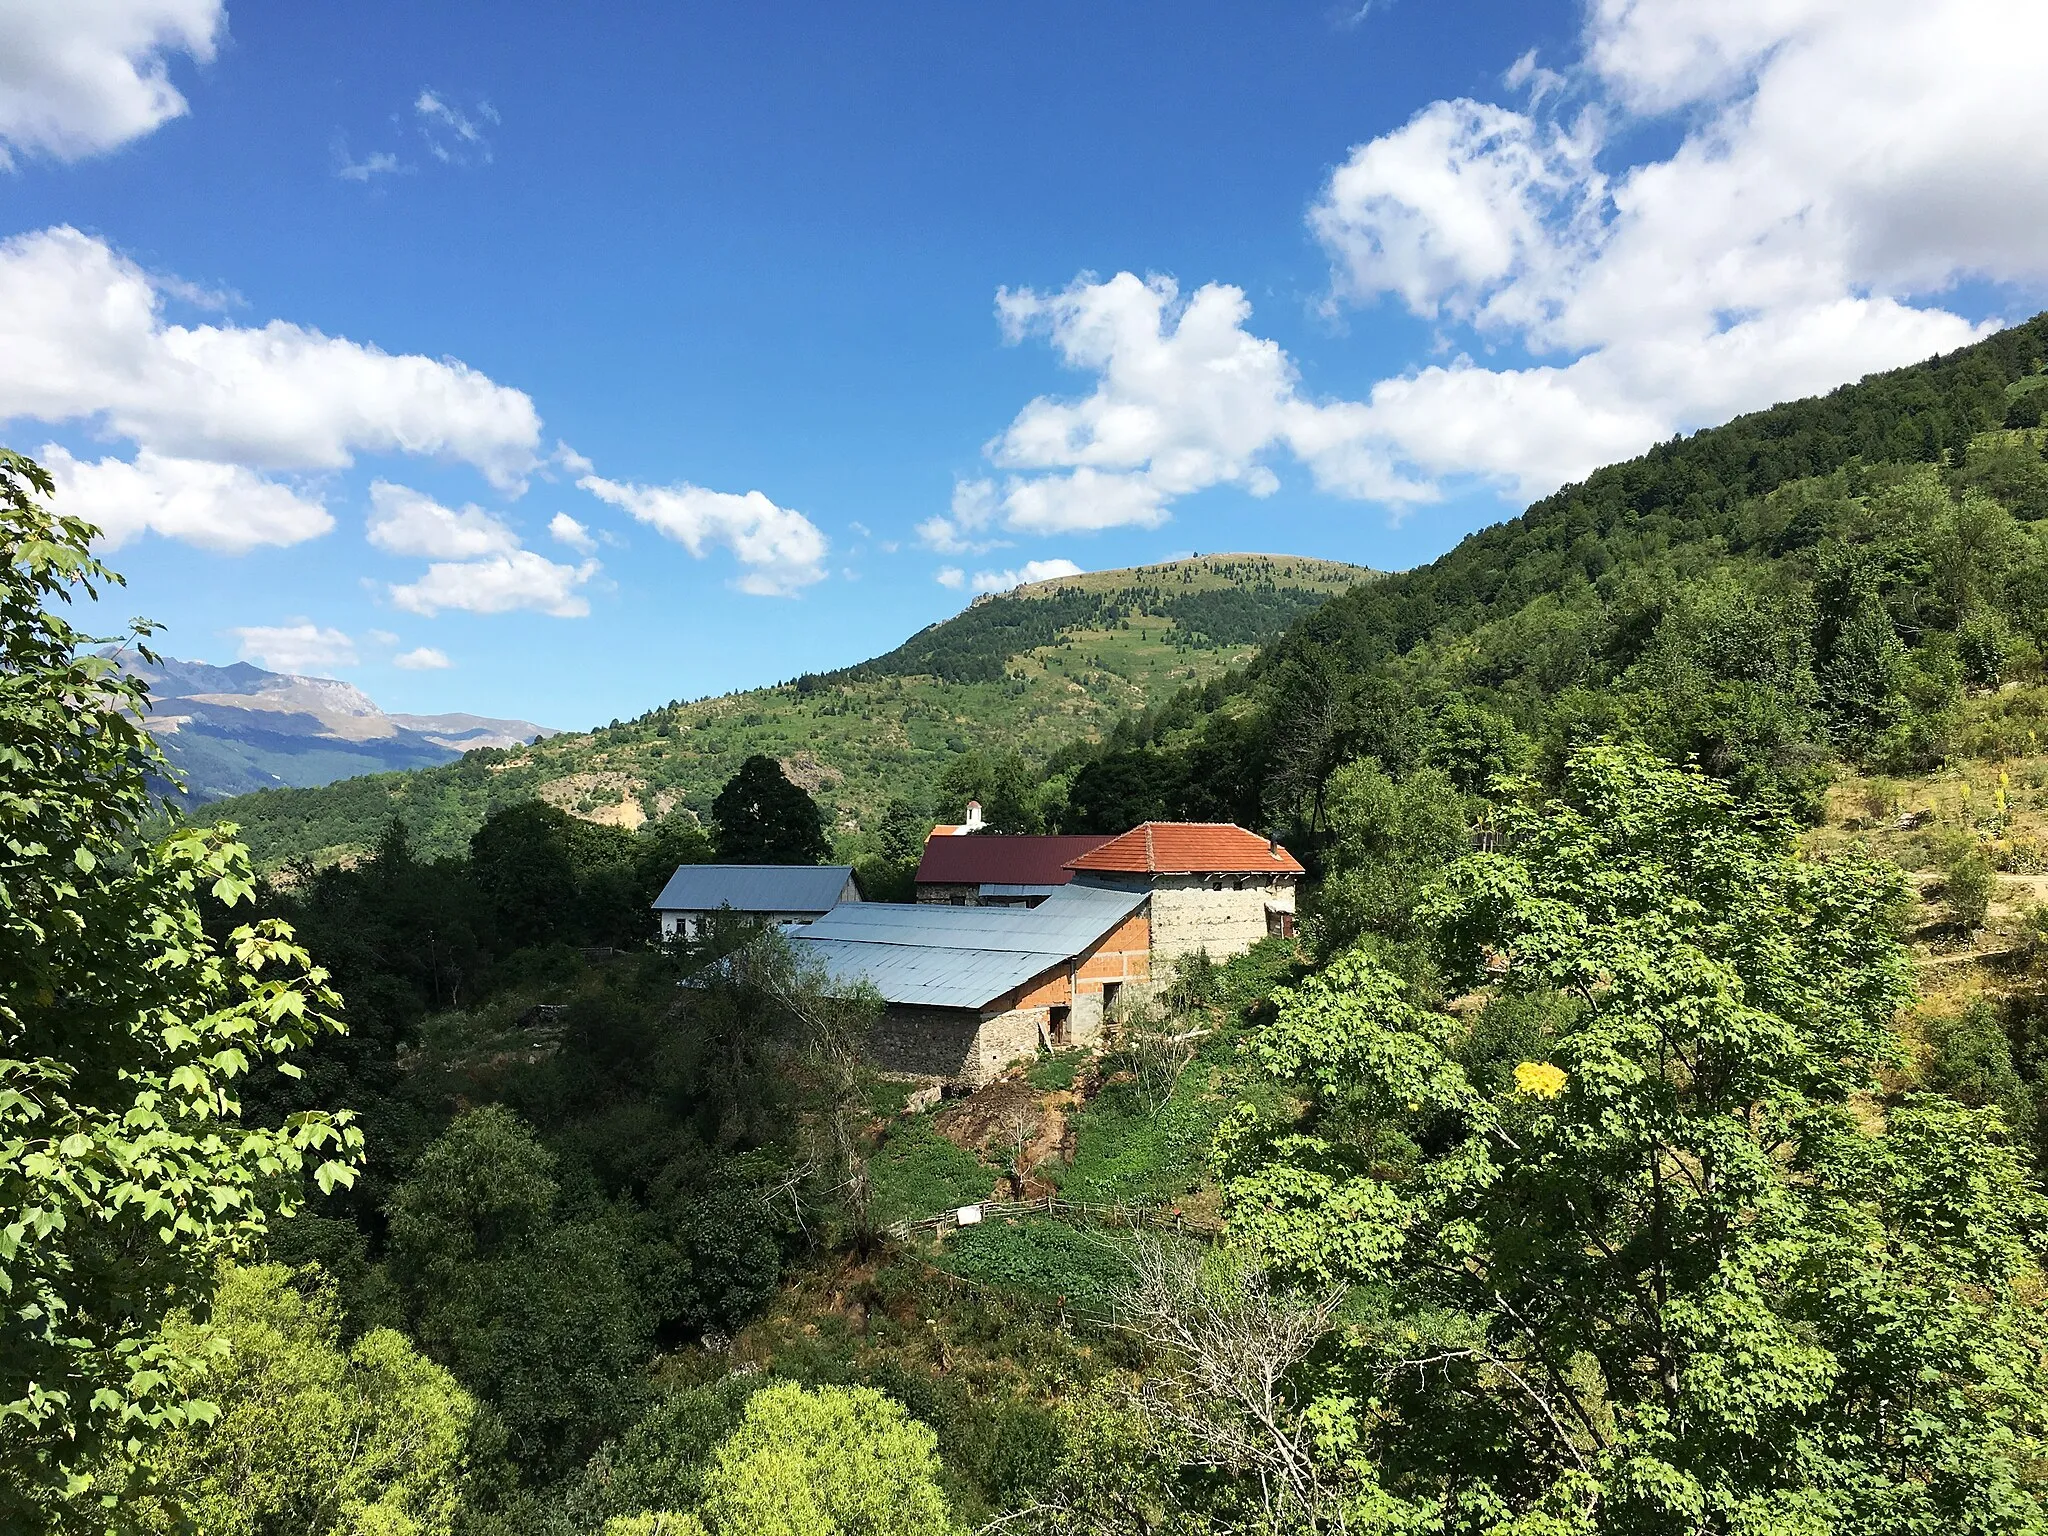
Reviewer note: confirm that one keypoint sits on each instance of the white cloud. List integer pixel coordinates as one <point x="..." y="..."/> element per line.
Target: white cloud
<point x="1541" y="82"/>
<point x="453" y="137"/>
<point x="564" y="529"/>
<point x="80" y="77"/>
<point x="503" y="583"/>
<point x="221" y="507"/>
<point x="783" y="551"/>
<point x="1839" y="164"/>
<point x="85" y="340"/>
<point x="1444" y="209"/>
<point x="479" y="565"/>
<point x="377" y="163"/>
<point x="1186" y="398"/>
<point x="300" y="647"/>
<point x="405" y="522"/>
<point x="976" y="504"/>
<point x="424" y="659"/>
<point x="1003" y="581"/>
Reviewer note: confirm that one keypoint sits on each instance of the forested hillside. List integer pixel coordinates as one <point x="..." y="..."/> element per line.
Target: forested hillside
<point x="1024" y="672"/>
<point x="1823" y="580"/>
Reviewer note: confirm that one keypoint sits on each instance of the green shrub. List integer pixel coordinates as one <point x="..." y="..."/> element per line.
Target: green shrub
<point x="917" y="1172"/>
<point x="837" y="1460"/>
<point x="886" y="1098"/>
<point x="1971" y="1061"/>
<point x="1086" y="1269"/>
<point x="1967" y="890"/>
<point x="660" y="1462"/>
<point x="1123" y="1153"/>
<point x="1055" y="1072"/>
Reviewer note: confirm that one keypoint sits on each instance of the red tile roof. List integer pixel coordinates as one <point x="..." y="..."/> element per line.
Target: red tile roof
<point x="988" y="858"/>
<point x="1188" y="848"/>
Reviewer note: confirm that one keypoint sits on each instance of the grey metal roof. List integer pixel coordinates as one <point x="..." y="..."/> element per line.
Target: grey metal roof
<point x="960" y="957"/>
<point x="754" y="887"/>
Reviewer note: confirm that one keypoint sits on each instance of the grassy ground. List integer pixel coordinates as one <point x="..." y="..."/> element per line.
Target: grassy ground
<point x="917" y="1172"/>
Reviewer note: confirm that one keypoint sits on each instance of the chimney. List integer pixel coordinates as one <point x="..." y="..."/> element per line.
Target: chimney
<point x="1273" y="845"/>
<point x="974" y="821"/>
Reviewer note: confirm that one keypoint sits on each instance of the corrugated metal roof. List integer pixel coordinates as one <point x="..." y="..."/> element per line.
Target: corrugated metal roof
<point x="990" y="858"/>
<point x="906" y="973"/>
<point x="1188" y="848"/>
<point x="754" y="887"/>
<point x="960" y="957"/>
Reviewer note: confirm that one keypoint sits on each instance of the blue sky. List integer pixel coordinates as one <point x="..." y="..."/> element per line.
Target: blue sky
<point x="556" y="364"/>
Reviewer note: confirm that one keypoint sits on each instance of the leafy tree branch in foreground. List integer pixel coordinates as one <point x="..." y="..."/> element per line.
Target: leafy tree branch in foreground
<point x="126" y="1172"/>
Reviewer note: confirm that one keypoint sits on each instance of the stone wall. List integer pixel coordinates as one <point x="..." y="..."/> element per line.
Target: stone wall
<point x="1004" y="1037"/>
<point x="937" y="895"/>
<point x="928" y="1042"/>
<point x="1189" y="913"/>
<point x="957" y="1044"/>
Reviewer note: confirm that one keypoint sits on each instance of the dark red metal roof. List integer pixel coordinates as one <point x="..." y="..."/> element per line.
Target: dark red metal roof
<point x="988" y="858"/>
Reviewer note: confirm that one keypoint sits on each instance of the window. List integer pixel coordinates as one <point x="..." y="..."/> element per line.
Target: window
<point x="1238" y="883"/>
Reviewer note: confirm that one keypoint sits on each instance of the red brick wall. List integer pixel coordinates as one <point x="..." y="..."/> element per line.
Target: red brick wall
<point x="1122" y="954"/>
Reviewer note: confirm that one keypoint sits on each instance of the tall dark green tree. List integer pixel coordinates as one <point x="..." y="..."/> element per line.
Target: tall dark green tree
<point x="535" y="1314"/>
<point x="1008" y="788"/>
<point x="903" y="832"/>
<point x="552" y="877"/>
<point x="762" y="818"/>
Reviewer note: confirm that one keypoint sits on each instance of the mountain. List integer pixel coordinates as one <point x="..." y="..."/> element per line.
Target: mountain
<point x="1031" y="669"/>
<point x="230" y="730"/>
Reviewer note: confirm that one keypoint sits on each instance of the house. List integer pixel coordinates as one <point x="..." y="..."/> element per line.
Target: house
<point x="996" y="871"/>
<point x="1211" y="886"/>
<point x="768" y="893"/>
<point x="971" y="989"/>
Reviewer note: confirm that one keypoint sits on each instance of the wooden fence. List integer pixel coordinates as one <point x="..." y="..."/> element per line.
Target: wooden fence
<point x="1165" y="1218"/>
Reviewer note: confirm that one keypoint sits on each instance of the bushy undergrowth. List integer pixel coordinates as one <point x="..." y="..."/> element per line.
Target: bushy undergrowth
<point x="1085" y="1269"/>
<point x="1056" y="1071"/>
<point x="917" y="1172"/>
<point x="1121" y="1153"/>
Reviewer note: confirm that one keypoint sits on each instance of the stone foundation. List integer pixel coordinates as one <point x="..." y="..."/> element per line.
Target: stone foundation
<point x="956" y="1044"/>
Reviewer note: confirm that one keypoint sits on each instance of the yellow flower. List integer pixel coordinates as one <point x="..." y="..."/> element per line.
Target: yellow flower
<point x="1539" y="1078"/>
